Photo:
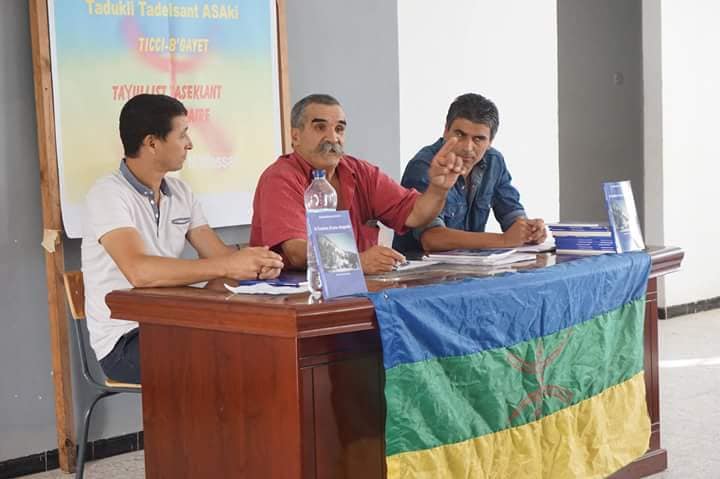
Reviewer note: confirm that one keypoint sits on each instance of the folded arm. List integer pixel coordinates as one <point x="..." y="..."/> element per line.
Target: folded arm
<point x="441" y="238"/>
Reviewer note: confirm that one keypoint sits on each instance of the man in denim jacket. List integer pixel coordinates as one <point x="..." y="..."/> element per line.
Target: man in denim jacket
<point x="473" y="120"/>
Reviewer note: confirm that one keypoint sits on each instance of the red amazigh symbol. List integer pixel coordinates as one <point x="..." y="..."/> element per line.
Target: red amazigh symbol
<point x="537" y="368"/>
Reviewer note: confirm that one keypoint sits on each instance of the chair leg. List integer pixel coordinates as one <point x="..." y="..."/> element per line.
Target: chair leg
<point x="82" y="437"/>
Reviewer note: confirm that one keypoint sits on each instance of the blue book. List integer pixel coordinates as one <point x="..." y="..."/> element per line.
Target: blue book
<point x="585" y="230"/>
<point x="578" y="227"/>
<point x="568" y="242"/>
<point x="622" y="216"/>
<point x="583" y="252"/>
<point x="338" y="260"/>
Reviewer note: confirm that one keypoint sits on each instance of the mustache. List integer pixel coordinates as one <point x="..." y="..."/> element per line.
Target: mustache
<point x="329" y="147"/>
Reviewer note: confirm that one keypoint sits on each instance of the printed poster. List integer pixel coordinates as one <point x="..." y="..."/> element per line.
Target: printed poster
<point x="218" y="57"/>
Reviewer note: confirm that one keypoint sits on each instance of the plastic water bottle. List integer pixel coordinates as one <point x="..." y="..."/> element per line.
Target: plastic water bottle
<point x="319" y="196"/>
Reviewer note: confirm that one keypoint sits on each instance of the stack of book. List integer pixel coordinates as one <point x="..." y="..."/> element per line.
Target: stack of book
<point x="582" y="238"/>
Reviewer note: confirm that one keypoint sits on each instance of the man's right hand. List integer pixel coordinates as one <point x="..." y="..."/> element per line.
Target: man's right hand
<point x="518" y="234"/>
<point x="380" y="259"/>
<point x="253" y="263"/>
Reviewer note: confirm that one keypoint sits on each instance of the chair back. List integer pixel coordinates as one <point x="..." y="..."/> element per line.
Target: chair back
<point x="75" y="296"/>
<point x="75" y="293"/>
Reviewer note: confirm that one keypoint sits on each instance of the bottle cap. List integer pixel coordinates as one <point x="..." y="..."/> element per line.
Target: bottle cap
<point x="318" y="174"/>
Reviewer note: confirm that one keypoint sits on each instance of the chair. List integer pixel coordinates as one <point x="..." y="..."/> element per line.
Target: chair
<point x="75" y="294"/>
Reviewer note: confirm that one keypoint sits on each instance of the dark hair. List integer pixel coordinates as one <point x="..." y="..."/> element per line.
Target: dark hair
<point x="296" y="116"/>
<point x="146" y="115"/>
<point x="475" y="108"/>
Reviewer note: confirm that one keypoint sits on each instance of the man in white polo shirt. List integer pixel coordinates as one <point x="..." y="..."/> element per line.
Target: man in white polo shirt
<point x="136" y="224"/>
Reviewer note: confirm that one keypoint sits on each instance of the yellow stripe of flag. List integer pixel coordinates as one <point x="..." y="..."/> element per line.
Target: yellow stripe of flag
<point x="591" y="439"/>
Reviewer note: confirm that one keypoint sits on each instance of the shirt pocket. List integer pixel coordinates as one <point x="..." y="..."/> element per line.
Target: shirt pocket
<point x="177" y="232"/>
<point x="454" y="215"/>
<point x="480" y="213"/>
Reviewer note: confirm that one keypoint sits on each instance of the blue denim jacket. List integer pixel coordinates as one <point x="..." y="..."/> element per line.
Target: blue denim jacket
<point x="490" y="187"/>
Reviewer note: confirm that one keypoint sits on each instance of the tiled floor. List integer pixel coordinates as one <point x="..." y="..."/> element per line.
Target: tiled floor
<point x="689" y="388"/>
<point x="125" y="466"/>
<point x="689" y="395"/>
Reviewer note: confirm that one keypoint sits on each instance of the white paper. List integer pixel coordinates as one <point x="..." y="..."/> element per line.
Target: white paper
<point x="264" y="288"/>
<point x="415" y="263"/>
<point x="548" y="245"/>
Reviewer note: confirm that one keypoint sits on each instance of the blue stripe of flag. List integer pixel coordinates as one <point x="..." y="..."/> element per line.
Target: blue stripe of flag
<point x="473" y="315"/>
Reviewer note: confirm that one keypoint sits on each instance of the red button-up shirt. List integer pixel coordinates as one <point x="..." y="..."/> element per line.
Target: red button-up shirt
<point x="368" y="194"/>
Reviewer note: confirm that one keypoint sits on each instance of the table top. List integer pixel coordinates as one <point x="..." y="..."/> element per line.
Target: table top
<point x="298" y="315"/>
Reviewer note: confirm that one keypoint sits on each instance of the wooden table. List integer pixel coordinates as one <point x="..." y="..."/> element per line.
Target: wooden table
<point x="239" y="386"/>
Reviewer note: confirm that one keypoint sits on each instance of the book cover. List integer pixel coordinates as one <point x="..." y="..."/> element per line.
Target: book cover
<point x="622" y="216"/>
<point x="338" y="260"/>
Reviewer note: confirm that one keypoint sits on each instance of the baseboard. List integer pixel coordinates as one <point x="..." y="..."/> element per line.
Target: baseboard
<point x="48" y="460"/>
<point x="689" y="308"/>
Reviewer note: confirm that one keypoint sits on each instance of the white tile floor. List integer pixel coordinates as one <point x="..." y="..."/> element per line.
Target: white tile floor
<point x="689" y="395"/>
<point x="689" y="389"/>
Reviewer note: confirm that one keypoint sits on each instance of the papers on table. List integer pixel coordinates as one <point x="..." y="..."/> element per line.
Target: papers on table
<point x="482" y="257"/>
<point x="414" y="263"/>
<point x="267" y="287"/>
<point x="548" y="245"/>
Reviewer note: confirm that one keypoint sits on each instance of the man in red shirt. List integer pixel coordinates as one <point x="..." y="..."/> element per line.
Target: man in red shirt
<point x="318" y="132"/>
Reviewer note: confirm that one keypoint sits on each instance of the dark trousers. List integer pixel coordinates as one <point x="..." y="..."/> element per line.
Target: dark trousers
<point x="123" y="362"/>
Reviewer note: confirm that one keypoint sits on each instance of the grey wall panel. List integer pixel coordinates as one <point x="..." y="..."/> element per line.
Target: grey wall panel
<point x="600" y="102"/>
<point x="27" y="419"/>
<point x="27" y="416"/>
<point x="349" y="49"/>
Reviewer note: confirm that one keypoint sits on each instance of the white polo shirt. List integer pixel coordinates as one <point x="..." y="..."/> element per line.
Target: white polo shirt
<point x="117" y="201"/>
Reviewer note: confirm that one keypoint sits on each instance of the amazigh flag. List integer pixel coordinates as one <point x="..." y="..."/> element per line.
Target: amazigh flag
<point x="536" y="374"/>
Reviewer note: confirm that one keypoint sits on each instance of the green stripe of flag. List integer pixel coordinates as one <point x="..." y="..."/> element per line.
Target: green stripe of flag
<point x="447" y="400"/>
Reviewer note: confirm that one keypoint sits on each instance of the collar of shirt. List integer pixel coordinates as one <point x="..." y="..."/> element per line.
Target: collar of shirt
<point x="137" y="184"/>
<point x="346" y="174"/>
<point x="475" y="175"/>
<point x="144" y="190"/>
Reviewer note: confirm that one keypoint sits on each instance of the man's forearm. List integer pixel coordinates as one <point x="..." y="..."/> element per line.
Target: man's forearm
<point x="444" y="239"/>
<point x="427" y="207"/>
<point x="152" y="271"/>
<point x="295" y="251"/>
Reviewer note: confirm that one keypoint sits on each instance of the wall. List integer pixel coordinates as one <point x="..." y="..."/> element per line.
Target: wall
<point x="27" y="415"/>
<point x="485" y="47"/>
<point x="689" y="75"/>
<point x="652" y="127"/>
<point x="600" y="86"/>
<point x="27" y="420"/>
<point x="349" y="50"/>
<point x="338" y="57"/>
